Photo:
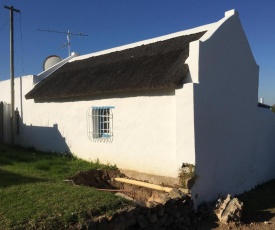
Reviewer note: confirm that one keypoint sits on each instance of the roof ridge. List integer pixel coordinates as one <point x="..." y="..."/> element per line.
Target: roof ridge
<point x="147" y="41"/>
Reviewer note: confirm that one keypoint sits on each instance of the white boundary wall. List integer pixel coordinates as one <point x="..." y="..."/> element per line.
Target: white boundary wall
<point x="233" y="136"/>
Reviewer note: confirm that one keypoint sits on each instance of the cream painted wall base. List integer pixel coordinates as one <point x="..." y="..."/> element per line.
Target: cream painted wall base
<point x="154" y="179"/>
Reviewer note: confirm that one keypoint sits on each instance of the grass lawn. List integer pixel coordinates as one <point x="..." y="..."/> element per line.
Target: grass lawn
<point x="33" y="192"/>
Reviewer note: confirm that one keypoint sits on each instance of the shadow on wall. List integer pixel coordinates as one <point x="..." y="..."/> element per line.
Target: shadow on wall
<point x="40" y="137"/>
<point x="5" y="135"/>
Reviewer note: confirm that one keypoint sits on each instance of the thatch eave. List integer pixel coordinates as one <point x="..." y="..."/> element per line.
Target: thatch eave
<point x="147" y="67"/>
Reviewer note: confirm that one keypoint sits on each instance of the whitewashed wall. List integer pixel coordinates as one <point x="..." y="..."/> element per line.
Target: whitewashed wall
<point x="234" y="147"/>
<point x="185" y="138"/>
<point x="146" y="133"/>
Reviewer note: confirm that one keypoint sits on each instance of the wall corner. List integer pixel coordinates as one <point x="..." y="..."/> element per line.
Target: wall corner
<point x="193" y="60"/>
<point x="230" y="13"/>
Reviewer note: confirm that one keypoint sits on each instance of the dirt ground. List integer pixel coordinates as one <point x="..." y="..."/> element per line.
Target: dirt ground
<point x="258" y="211"/>
<point x="259" y="220"/>
<point x="103" y="179"/>
<point x="100" y="179"/>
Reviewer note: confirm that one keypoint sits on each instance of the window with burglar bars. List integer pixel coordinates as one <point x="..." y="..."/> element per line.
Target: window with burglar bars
<point x="100" y="122"/>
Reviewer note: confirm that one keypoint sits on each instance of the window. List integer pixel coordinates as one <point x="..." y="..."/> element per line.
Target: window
<point x="100" y="122"/>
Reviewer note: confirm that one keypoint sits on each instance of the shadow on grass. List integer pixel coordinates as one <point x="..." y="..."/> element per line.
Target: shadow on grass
<point x="11" y="155"/>
<point x="208" y="223"/>
<point x="259" y="203"/>
<point x="259" y="206"/>
<point x="18" y="154"/>
<point x="257" y="217"/>
<point x="4" y="160"/>
<point x="8" y="179"/>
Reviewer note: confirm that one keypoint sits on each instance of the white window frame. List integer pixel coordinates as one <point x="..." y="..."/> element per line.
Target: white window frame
<point x="100" y="122"/>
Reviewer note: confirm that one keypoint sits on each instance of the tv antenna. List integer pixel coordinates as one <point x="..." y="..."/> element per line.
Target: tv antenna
<point x="68" y="43"/>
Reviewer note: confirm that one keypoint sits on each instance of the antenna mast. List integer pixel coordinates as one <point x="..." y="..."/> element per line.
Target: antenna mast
<point x="68" y="37"/>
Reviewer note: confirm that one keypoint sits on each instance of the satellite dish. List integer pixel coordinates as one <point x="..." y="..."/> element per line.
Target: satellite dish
<point x="51" y="61"/>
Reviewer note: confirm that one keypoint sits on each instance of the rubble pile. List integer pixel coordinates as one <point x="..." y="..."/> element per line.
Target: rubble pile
<point x="229" y="209"/>
<point x="160" y="212"/>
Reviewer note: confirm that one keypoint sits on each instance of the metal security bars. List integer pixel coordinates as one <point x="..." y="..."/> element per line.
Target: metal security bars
<point x="100" y="122"/>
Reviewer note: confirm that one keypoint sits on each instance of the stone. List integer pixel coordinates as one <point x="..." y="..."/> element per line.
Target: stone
<point x="169" y="221"/>
<point x="131" y="212"/>
<point x="124" y="196"/>
<point x="176" y="193"/>
<point x="173" y="212"/>
<point x="171" y="204"/>
<point x="131" y="221"/>
<point x="185" y="208"/>
<point x="179" y="220"/>
<point x="143" y="222"/>
<point x="206" y="209"/>
<point x="187" y="221"/>
<point x="233" y="211"/>
<point x="103" y="223"/>
<point x="93" y="224"/>
<point x="118" y="226"/>
<point x="229" y="209"/>
<point x="122" y="217"/>
<point x="150" y="204"/>
<point x="159" y="198"/>
<point x="145" y="211"/>
<point x="161" y="210"/>
<point x="162" y="220"/>
<point x="267" y="222"/>
<point x="153" y="218"/>
<point x="184" y="190"/>
<point x="221" y="205"/>
<point x="168" y="213"/>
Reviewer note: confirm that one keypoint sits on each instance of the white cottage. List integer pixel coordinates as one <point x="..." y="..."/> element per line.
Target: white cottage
<point x="187" y="97"/>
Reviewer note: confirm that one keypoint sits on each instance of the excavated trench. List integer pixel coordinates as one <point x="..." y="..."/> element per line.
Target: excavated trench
<point x="154" y="209"/>
<point x="104" y="180"/>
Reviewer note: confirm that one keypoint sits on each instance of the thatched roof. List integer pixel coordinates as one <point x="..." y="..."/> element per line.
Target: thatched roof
<point x="152" y="66"/>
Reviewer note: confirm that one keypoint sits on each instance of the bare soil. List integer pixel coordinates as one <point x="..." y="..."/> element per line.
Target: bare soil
<point x="254" y="217"/>
<point x="261" y="221"/>
<point x="258" y="210"/>
<point x="104" y="180"/>
<point x="100" y="179"/>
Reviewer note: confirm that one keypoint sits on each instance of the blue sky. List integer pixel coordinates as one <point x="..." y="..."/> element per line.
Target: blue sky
<point x="112" y="23"/>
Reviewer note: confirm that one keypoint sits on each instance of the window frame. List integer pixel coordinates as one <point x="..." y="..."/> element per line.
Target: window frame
<point x="100" y="122"/>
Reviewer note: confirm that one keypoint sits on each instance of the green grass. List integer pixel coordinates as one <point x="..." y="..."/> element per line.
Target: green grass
<point x="33" y="192"/>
